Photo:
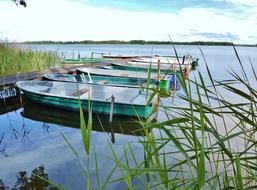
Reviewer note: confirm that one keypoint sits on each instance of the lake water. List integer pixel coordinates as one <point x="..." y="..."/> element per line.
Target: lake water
<point x="30" y="134"/>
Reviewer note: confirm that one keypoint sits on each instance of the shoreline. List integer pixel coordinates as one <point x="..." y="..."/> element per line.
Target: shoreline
<point x="134" y="42"/>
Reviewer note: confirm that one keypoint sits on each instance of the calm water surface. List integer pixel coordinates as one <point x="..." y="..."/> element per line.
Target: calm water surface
<point x="30" y="134"/>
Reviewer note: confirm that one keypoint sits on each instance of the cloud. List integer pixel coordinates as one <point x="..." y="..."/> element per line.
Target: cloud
<point x="249" y="3"/>
<point x="252" y="37"/>
<point x="76" y="20"/>
<point x="216" y="36"/>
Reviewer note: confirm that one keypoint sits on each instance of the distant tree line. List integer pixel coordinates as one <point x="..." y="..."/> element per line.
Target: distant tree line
<point x="137" y="42"/>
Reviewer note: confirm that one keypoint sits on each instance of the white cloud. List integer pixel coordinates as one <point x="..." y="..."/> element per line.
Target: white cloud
<point x="72" y="20"/>
<point x="244" y="2"/>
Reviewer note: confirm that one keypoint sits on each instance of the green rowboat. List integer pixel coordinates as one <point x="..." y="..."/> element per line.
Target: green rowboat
<point x="123" y="77"/>
<point x="107" y="80"/>
<point x="86" y="60"/>
<point x="104" y="99"/>
<point x="165" y="70"/>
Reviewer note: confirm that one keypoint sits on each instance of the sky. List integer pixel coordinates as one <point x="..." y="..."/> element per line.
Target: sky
<point x="183" y="20"/>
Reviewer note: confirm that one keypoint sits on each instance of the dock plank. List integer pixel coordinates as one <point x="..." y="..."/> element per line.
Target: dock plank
<point x="12" y="79"/>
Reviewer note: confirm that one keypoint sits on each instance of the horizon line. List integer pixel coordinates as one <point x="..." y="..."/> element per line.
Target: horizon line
<point x="136" y="42"/>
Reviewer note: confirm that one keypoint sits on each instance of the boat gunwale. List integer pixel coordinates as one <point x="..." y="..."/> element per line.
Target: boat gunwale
<point x="163" y="77"/>
<point x="138" y="110"/>
<point x="155" y="66"/>
<point x="117" y="85"/>
<point x="142" y="62"/>
<point x="154" y="60"/>
<point x="78" y="97"/>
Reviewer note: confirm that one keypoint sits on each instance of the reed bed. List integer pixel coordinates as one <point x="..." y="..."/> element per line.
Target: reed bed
<point x="14" y="60"/>
<point x="209" y="143"/>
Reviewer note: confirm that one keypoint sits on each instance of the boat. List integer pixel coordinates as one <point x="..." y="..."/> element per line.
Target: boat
<point x="175" y="66"/>
<point x="128" y="77"/>
<point x="100" y="123"/>
<point x="101" y="80"/>
<point x="164" y="69"/>
<point x="119" y="73"/>
<point x="86" y="60"/>
<point x="156" y="59"/>
<point x="170" y="60"/>
<point x="110" y="100"/>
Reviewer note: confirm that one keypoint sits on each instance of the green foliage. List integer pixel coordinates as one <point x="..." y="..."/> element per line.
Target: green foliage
<point x="138" y="42"/>
<point x="86" y="129"/>
<point x="194" y="151"/>
<point x="14" y="60"/>
<point x="209" y="143"/>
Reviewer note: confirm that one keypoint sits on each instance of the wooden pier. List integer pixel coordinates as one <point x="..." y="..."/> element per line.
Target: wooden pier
<point x="8" y="91"/>
<point x="12" y="79"/>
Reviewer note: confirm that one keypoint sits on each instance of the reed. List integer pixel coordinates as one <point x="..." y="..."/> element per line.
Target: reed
<point x="194" y="151"/>
<point x="203" y="147"/>
<point x="210" y="143"/>
<point x="14" y="60"/>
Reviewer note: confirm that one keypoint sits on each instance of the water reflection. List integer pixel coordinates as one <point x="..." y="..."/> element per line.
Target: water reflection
<point x="30" y="136"/>
<point x="2" y="145"/>
<point x="35" y="182"/>
<point x="46" y="115"/>
<point x="10" y="104"/>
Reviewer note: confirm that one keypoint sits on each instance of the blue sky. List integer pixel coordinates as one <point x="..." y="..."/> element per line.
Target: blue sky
<point x="169" y="6"/>
<point x="184" y="20"/>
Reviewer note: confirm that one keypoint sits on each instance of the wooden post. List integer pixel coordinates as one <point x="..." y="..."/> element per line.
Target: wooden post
<point x="175" y="82"/>
<point x="111" y="118"/>
<point x="157" y="102"/>
<point x="111" y="109"/>
<point x="186" y="71"/>
<point x="21" y="102"/>
<point x="159" y="68"/>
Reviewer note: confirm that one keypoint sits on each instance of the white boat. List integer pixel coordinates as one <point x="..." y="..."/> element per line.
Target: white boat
<point x="186" y="60"/>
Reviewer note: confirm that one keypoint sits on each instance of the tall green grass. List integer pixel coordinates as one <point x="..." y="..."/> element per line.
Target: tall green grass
<point x="209" y="143"/>
<point x="14" y="60"/>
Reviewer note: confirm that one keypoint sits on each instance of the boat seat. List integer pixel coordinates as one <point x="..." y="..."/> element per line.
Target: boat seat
<point x="103" y="82"/>
<point x="79" y="92"/>
<point x="47" y="90"/>
<point x="63" y="79"/>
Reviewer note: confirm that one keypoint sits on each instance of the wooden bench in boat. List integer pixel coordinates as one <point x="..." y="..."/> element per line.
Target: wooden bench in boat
<point x="79" y="92"/>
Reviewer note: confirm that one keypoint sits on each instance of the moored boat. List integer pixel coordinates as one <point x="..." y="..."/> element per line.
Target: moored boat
<point x="104" y="99"/>
<point x="163" y="66"/>
<point x="170" y="60"/>
<point x="164" y="69"/>
<point x="119" y="73"/>
<point x="106" y="80"/>
<point x="126" y="76"/>
<point x="85" y="60"/>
